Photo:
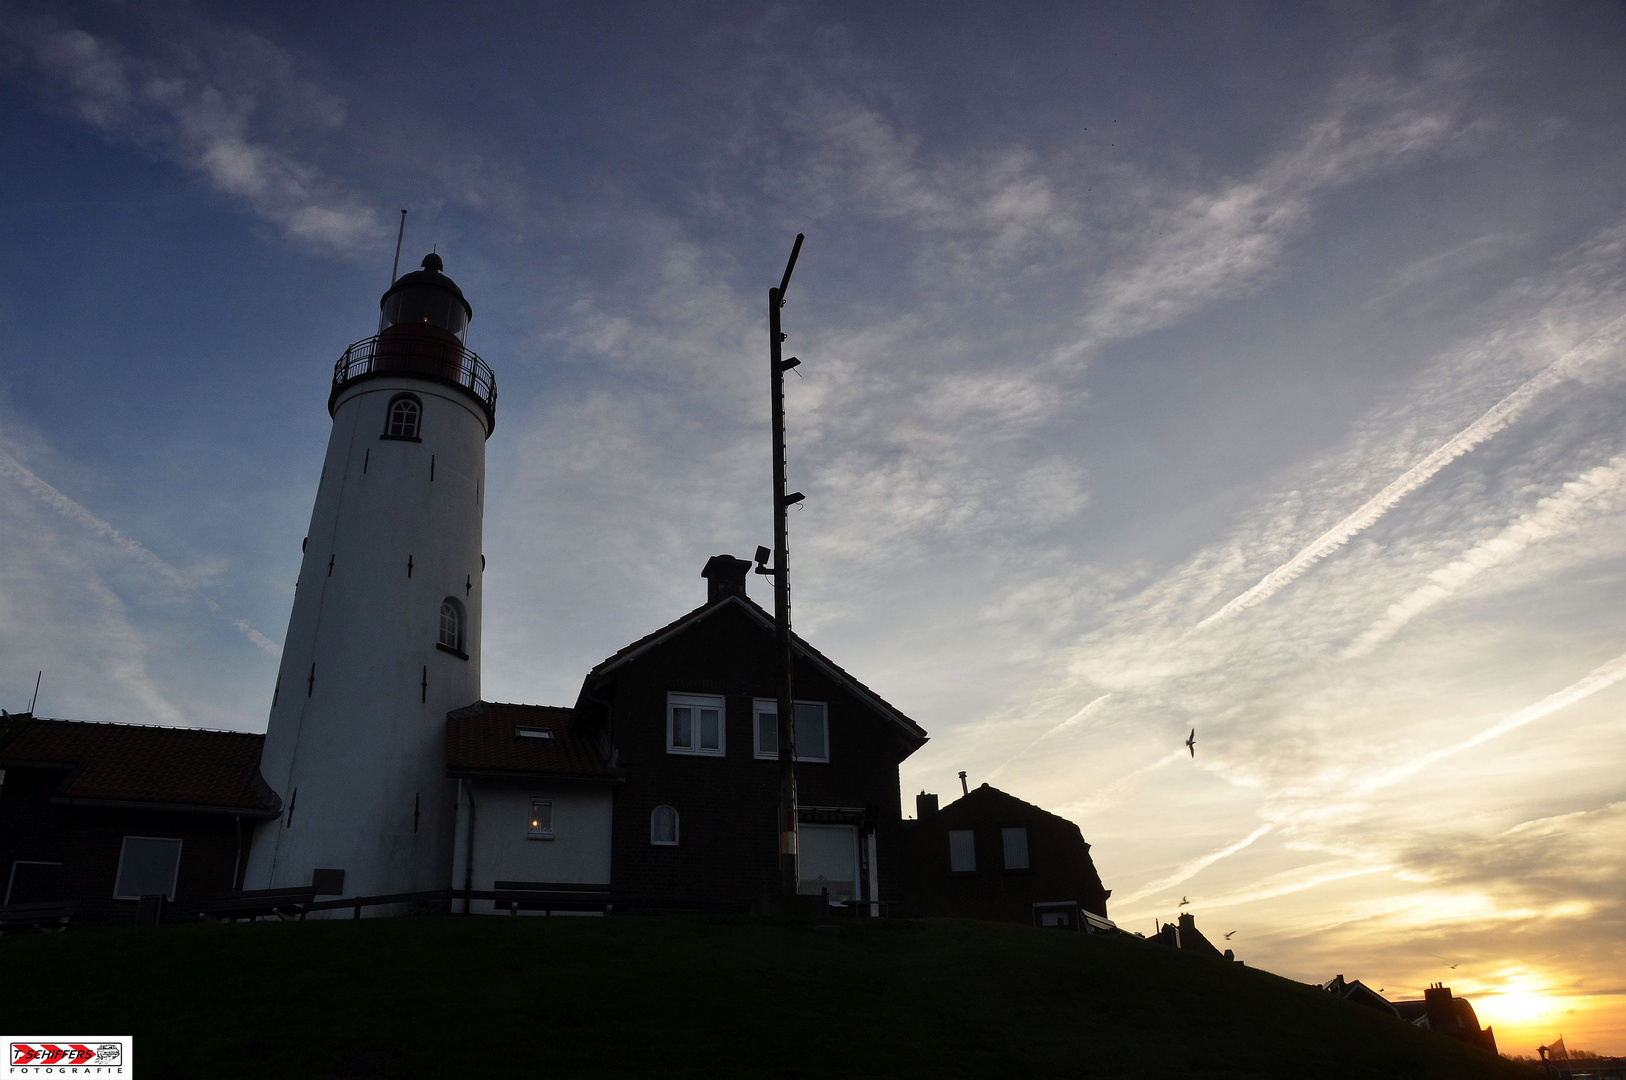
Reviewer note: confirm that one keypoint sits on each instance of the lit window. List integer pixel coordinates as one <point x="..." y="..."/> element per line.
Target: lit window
<point x="148" y="866"/>
<point x="663" y="827"/>
<point x="1016" y="847"/>
<point x="694" y="724"/>
<point x="541" y="819"/>
<point x="962" y="851"/>
<point x="812" y="730"/>
<point x="451" y="625"/>
<point x="405" y="412"/>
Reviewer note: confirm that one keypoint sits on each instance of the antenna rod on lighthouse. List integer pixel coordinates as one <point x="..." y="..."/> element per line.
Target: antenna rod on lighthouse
<point x="400" y="234"/>
<point x="788" y="872"/>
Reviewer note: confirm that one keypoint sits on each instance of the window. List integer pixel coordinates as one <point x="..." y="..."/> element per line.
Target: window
<point x="148" y="865"/>
<point x="663" y="827"/>
<point x="405" y="412"/>
<point x="1015" y="841"/>
<point x="451" y="627"/>
<point x="694" y="724"/>
<point x="962" y="851"/>
<point x="812" y="730"/>
<point x="32" y="882"/>
<point x="828" y="861"/>
<point x="534" y="732"/>
<point x="541" y="819"/>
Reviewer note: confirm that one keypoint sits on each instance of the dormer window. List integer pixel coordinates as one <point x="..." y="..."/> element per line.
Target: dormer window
<point x="403" y="419"/>
<point x="451" y="627"/>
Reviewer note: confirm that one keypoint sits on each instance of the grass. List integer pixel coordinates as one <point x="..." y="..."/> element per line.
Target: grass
<point x="692" y="997"/>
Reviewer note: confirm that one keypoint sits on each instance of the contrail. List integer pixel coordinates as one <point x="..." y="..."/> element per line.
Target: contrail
<point x="1600" y="678"/>
<point x="1067" y="723"/>
<point x="1496" y="418"/>
<point x="1552" y="516"/>
<point x="1195" y="866"/>
<point x="13" y="469"/>
<point x="1112" y="789"/>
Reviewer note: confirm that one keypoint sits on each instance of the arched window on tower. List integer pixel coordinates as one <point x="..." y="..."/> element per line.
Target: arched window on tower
<point x="663" y="827"/>
<point x="452" y="622"/>
<point x="404" y="417"/>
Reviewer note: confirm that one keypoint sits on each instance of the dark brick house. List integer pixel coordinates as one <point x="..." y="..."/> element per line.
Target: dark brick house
<point x="105" y="813"/>
<point x="686" y="719"/>
<point x="1438" y="1010"/>
<point x="989" y="855"/>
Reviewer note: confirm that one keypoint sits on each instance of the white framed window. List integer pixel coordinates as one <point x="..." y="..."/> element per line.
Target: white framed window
<point x="1014" y="841"/>
<point x="405" y="412"/>
<point x="962" y="851"/>
<point x="812" y="730"/>
<point x="451" y="624"/>
<point x="541" y="820"/>
<point x="147" y="865"/>
<point x="663" y="826"/>
<point x="695" y="724"/>
<point x="827" y="857"/>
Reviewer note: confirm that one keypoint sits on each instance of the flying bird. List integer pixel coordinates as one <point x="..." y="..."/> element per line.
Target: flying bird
<point x="1183" y="902"/>
<point x="1191" y="742"/>
<point x="1228" y="936"/>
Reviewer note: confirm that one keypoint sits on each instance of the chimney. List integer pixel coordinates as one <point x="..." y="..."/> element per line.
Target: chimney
<point x="724" y="574"/>
<point x="964" y="790"/>
<point x="925" y="806"/>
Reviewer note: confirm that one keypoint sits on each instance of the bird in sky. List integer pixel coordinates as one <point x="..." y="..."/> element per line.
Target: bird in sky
<point x="1191" y="742"/>
<point x="1183" y="902"/>
<point x="1228" y="936"/>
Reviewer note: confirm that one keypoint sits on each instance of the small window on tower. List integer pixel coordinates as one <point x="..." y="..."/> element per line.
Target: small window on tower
<point x="451" y="627"/>
<point x="405" y="412"/>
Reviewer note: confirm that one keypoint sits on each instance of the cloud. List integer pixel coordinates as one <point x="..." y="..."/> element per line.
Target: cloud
<point x="1602" y="344"/>
<point x="1191" y="869"/>
<point x="1555" y="515"/>
<point x="199" y="98"/>
<point x="12" y="469"/>
<point x="1600" y="678"/>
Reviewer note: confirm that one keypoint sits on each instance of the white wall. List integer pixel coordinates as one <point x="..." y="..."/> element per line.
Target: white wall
<point x="359" y="749"/>
<point x="578" y="854"/>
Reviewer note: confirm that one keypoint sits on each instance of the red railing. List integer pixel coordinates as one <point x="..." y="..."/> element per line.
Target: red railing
<point x="438" y="356"/>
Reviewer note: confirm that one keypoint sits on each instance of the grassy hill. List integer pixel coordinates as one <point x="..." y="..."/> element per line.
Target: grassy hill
<point x="692" y="997"/>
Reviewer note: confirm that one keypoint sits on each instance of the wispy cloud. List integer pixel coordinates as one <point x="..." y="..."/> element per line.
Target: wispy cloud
<point x="1191" y="869"/>
<point x="1604" y="343"/>
<point x="12" y="469"/>
<point x="1553" y="516"/>
<point x="197" y="99"/>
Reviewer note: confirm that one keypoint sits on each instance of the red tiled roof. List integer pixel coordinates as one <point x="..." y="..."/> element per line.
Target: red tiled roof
<point x="130" y="763"/>
<point x="483" y="738"/>
<point x="767" y="621"/>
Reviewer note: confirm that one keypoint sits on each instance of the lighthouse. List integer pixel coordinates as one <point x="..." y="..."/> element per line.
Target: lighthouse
<point x="384" y="638"/>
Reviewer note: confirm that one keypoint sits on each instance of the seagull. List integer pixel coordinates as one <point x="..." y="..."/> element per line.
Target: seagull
<point x="1183" y="902"/>
<point x="1228" y="936"/>
<point x="1191" y="742"/>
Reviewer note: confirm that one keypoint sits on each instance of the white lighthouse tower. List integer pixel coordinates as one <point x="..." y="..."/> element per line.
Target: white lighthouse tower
<point x="384" y="639"/>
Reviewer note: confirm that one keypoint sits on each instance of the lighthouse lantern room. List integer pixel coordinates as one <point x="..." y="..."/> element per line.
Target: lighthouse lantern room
<point x="384" y="638"/>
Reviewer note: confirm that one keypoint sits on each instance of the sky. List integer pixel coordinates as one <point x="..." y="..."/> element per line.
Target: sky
<point x="1252" y="369"/>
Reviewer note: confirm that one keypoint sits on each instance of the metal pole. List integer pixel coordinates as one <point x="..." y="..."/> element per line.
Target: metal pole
<point x="400" y="234"/>
<point x="788" y="871"/>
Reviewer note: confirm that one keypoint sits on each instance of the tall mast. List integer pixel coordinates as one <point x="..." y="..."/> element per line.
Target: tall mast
<point x="788" y="874"/>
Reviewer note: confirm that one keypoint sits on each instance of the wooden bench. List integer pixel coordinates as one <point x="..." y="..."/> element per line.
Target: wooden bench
<point x="49" y="915"/>
<point x="253" y="903"/>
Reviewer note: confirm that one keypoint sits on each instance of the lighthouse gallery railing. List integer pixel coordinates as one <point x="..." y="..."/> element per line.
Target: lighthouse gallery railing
<point x="448" y="362"/>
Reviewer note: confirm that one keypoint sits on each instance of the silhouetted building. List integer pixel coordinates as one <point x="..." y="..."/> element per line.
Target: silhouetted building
<point x="104" y="814"/>
<point x="687" y="718"/>
<point x="989" y="855"/>
<point x="1438" y="1010"/>
<point x="1183" y="934"/>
